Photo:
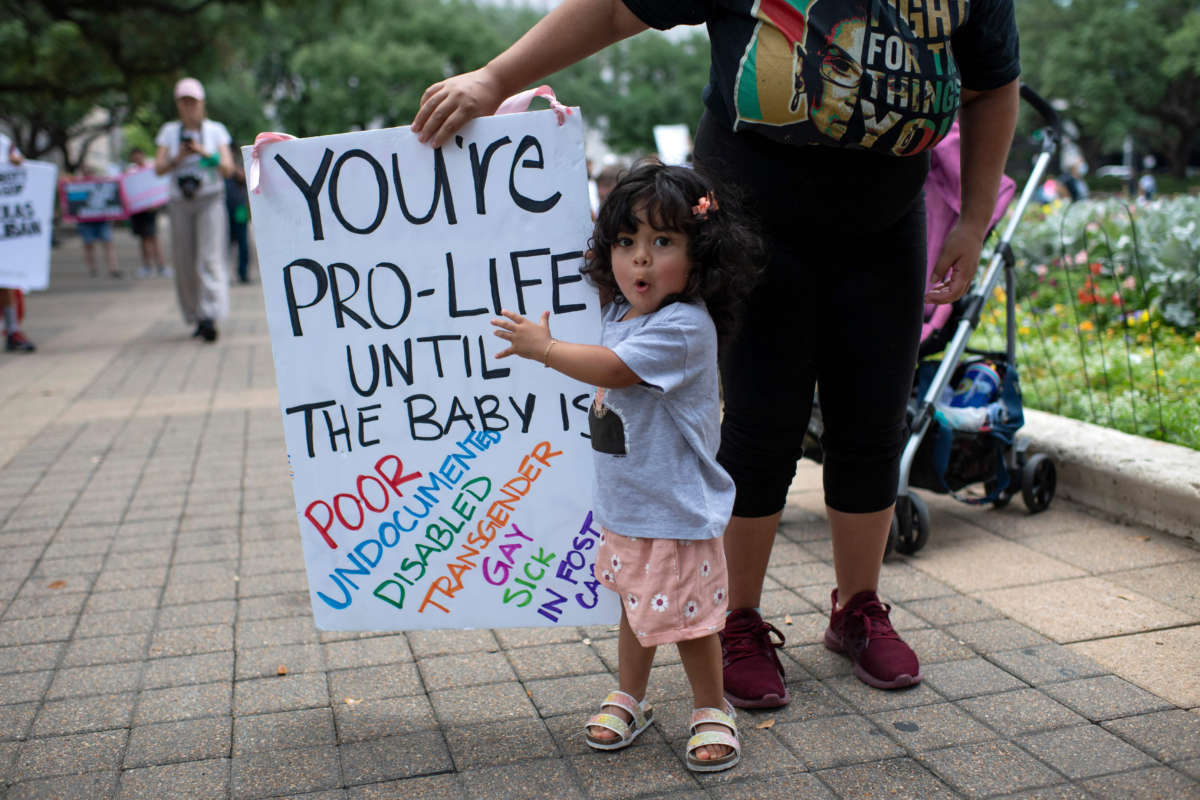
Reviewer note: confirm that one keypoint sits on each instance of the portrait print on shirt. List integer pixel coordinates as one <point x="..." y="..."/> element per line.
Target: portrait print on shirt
<point x="875" y="74"/>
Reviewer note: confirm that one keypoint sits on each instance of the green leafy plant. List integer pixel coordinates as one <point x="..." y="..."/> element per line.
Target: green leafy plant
<point x="1108" y="314"/>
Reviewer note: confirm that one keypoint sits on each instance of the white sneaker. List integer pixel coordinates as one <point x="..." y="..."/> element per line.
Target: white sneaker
<point x="166" y="272"/>
<point x="142" y="272"/>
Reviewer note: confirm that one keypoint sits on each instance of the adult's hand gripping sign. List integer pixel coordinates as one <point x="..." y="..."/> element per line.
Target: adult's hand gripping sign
<point x="435" y="486"/>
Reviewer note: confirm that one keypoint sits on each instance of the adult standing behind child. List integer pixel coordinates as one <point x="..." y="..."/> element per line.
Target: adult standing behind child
<point x="144" y="225"/>
<point x="195" y="151"/>
<point x="14" y="340"/>
<point x="671" y="257"/>
<point x="823" y="113"/>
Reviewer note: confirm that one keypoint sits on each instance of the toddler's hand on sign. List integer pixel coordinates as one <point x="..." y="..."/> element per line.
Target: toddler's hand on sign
<point x="525" y="338"/>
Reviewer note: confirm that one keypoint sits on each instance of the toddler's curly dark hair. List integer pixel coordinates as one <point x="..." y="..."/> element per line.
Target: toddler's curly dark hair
<point x="724" y="245"/>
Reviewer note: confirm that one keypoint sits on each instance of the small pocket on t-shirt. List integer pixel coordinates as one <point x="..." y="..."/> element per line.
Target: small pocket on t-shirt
<point x="607" y="431"/>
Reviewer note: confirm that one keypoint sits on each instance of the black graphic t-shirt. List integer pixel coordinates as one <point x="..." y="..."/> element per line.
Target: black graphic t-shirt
<point x="880" y="75"/>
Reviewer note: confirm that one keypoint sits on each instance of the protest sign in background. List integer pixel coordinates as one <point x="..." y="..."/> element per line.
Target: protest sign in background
<point x="674" y="143"/>
<point x="91" y="200"/>
<point x="143" y="189"/>
<point x="26" y="220"/>
<point x="435" y="486"/>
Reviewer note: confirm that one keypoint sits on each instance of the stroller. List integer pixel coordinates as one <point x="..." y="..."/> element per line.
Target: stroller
<point x="966" y="407"/>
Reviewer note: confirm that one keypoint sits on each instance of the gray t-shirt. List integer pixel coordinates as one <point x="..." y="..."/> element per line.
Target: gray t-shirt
<point x="655" y="443"/>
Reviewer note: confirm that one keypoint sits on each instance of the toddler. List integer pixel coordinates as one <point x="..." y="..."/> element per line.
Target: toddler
<point x="671" y="258"/>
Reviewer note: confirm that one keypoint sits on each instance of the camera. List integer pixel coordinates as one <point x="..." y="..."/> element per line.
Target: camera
<point x="188" y="184"/>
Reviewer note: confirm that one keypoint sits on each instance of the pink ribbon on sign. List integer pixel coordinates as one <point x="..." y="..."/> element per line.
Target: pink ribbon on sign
<point x="520" y="102"/>
<point x="262" y="139"/>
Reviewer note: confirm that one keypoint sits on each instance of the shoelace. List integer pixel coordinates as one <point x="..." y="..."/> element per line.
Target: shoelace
<point x="872" y="616"/>
<point x="744" y="642"/>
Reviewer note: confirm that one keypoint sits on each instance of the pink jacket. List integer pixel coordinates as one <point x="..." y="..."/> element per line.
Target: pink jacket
<point x="943" y="205"/>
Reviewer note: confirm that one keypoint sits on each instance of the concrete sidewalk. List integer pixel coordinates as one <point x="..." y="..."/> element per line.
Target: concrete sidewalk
<point x="156" y="638"/>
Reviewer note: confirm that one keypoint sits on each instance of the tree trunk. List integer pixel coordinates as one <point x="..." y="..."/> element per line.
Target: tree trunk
<point x="1181" y="152"/>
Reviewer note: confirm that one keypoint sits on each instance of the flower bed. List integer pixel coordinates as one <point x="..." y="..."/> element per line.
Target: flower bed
<point x="1108" y="300"/>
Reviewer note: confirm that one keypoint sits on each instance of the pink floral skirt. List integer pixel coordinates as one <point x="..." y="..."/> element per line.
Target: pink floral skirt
<point x="672" y="590"/>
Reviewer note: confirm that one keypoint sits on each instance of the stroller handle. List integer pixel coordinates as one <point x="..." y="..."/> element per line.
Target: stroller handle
<point x="1043" y="108"/>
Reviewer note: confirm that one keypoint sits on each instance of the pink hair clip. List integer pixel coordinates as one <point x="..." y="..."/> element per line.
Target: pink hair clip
<point x="704" y="205"/>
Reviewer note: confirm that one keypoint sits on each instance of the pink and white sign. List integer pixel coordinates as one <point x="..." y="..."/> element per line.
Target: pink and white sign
<point x="143" y="190"/>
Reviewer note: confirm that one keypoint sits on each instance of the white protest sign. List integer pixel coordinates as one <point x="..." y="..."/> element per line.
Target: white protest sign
<point x="144" y="189"/>
<point x="26" y="219"/>
<point x="673" y="143"/>
<point x="435" y="486"/>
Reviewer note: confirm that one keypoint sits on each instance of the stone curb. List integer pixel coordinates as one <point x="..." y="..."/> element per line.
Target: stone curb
<point x="1128" y="477"/>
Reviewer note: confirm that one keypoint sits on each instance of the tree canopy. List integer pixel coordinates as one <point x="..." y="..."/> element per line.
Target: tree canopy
<point x="1128" y="68"/>
<point x="77" y="68"/>
<point x="371" y="65"/>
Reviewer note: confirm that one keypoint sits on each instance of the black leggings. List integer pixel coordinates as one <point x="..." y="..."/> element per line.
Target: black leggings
<point x="839" y="306"/>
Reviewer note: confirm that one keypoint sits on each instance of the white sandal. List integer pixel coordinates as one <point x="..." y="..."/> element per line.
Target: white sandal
<point x="701" y="716"/>
<point x="642" y="715"/>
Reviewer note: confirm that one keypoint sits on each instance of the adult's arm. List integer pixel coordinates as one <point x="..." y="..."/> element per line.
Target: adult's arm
<point x="225" y="160"/>
<point x="162" y="161"/>
<point x="986" y="123"/>
<point x="570" y="33"/>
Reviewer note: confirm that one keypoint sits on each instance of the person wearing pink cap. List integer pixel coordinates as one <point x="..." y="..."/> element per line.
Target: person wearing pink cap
<point x="195" y="151"/>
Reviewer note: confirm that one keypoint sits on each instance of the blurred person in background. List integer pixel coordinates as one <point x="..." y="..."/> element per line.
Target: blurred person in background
<point x="237" y="206"/>
<point x="14" y="340"/>
<point x="194" y="151"/>
<point x="144" y="225"/>
<point x="93" y="231"/>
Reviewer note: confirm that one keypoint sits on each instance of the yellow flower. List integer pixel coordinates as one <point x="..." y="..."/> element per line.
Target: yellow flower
<point x="1086" y="325"/>
<point x="1023" y="330"/>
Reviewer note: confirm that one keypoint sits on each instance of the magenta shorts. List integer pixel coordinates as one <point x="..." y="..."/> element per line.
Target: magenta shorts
<point x="672" y="590"/>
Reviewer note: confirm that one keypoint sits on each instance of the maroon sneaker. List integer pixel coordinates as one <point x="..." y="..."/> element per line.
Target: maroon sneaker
<point x="753" y="674"/>
<point x="862" y="631"/>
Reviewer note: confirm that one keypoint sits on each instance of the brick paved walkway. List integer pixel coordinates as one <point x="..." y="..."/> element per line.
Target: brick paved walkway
<point x="152" y="592"/>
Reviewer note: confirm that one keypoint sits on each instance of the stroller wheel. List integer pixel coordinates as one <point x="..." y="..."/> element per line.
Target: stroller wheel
<point x="1038" y="481"/>
<point x="911" y="521"/>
